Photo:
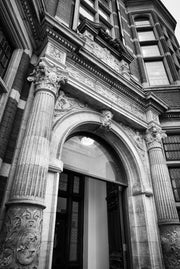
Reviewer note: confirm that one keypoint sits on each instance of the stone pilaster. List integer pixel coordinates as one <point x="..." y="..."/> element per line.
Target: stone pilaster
<point x="166" y="209"/>
<point x="21" y="235"/>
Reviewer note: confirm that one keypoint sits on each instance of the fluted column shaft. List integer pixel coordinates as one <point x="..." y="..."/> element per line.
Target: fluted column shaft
<point x="29" y="181"/>
<point x="21" y="236"/>
<point x="165" y="204"/>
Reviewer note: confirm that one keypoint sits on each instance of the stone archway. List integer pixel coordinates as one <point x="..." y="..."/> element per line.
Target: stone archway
<point x="141" y="210"/>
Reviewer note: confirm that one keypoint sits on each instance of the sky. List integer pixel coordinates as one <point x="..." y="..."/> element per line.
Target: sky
<point x="174" y="8"/>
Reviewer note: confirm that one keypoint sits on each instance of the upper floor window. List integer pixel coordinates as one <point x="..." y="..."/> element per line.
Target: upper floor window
<point x="174" y="173"/>
<point x="172" y="147"/>
<point x="172" y="153"/>
<point x="146" y="35"/>
<point x="151" y="53"/>
<point x="150" y="50"/>
<point x="156" y="73"/>
<point x="5" y="53"/>
<point x="95" y="10"/>
<point x="142" y="22"/>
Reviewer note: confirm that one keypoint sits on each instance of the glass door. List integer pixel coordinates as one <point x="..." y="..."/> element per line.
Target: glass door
<point x="117" y="254"/>
<point x="68" y="241"/>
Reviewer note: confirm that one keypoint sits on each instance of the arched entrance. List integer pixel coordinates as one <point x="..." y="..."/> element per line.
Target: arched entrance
<point x="139" y="206"/>
<point x="90" y="216"/>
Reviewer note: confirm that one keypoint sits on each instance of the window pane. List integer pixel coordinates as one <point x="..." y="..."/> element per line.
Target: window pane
<point x="104" y="14"/>
<point x="89" y="2"/>
<point x="146" y="36"/>
<point x="61" y="205"/>
<point x="142" y="22"/>
<point x="105" y="2"/>
<point x="74" y="233"/>
<point x="149" y="51"/>
<point x="156" y="73"/>
<point x="175" y="178"/>
<point x="63" y="182"/>
<point x="76" y="184"/>
<point x="86" y="13"/>
<point x="172" y="147"/>
<point x="5" y="53"/>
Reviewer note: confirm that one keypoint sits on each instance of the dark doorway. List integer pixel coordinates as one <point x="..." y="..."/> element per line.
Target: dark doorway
<point x="68" y="241"/>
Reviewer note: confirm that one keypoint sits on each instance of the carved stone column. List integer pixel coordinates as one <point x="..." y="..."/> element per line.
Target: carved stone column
<point x="166" y="209"/>
<point x="21" y="235"/>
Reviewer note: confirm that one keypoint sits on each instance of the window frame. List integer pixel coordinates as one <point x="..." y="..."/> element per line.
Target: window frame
<point x="98" y="18"/>
<point x="155" y="60"/>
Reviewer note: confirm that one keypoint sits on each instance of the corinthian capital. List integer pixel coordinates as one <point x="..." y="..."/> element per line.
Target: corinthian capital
<point x="47" y="76"/>
<point x="154" y="135"/>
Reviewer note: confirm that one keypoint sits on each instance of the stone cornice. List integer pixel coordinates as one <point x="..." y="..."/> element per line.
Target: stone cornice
<point x="30" y="14"/>
<point x="155" y="102"/>
<point x="118" y="82"/>
<point x="74" y="44"/>
<point x="95" y="91"/>
<point x="61" y="33"/>
<point x="101" y="36"/>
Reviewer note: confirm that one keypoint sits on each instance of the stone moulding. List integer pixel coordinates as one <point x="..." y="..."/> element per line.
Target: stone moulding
<point x="117" y="99"/>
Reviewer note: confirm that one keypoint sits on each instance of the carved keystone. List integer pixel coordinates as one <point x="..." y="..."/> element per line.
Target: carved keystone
<point x="106" y="119"/>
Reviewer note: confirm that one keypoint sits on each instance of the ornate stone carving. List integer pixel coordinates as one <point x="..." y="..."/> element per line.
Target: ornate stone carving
<point x="170" y="240"/>
<point x="47" y="76"/>
<point x="154" y="135"/>
<point x="105" y="56"/>
<point x="116" y="98"/>
<point x="137" y="137"/>
<point x="65" y="103"/>
<point x="22" y="233"/>
<point x="106" y="118"/>
<point x="55" y="53"/>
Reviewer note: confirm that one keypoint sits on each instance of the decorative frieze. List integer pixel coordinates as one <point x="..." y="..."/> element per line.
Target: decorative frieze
<point x="22" y="234"/>
<point x="104" y="55"/>
<point x="55" y="54"/>
<point x="118" y="99"/>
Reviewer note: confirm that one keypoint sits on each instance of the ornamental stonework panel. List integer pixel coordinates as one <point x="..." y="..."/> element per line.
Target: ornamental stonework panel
<point x="22" y="230"/>
<point x="117" y="99"/>
<point x="170" y="240"/>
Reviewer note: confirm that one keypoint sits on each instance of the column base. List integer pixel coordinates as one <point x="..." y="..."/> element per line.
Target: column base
<point x="170" y="241"/>
<point x="20" y="238"/>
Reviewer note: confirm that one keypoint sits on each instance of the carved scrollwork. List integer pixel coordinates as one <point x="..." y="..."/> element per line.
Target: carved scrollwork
<point x="170" y="240"/>
<point x="154" y="135"/>
<point x="48" y="77"/>
<point x="66" y="103"/>
<point x="21" y="238"/>
<point x="106" y="119"/>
